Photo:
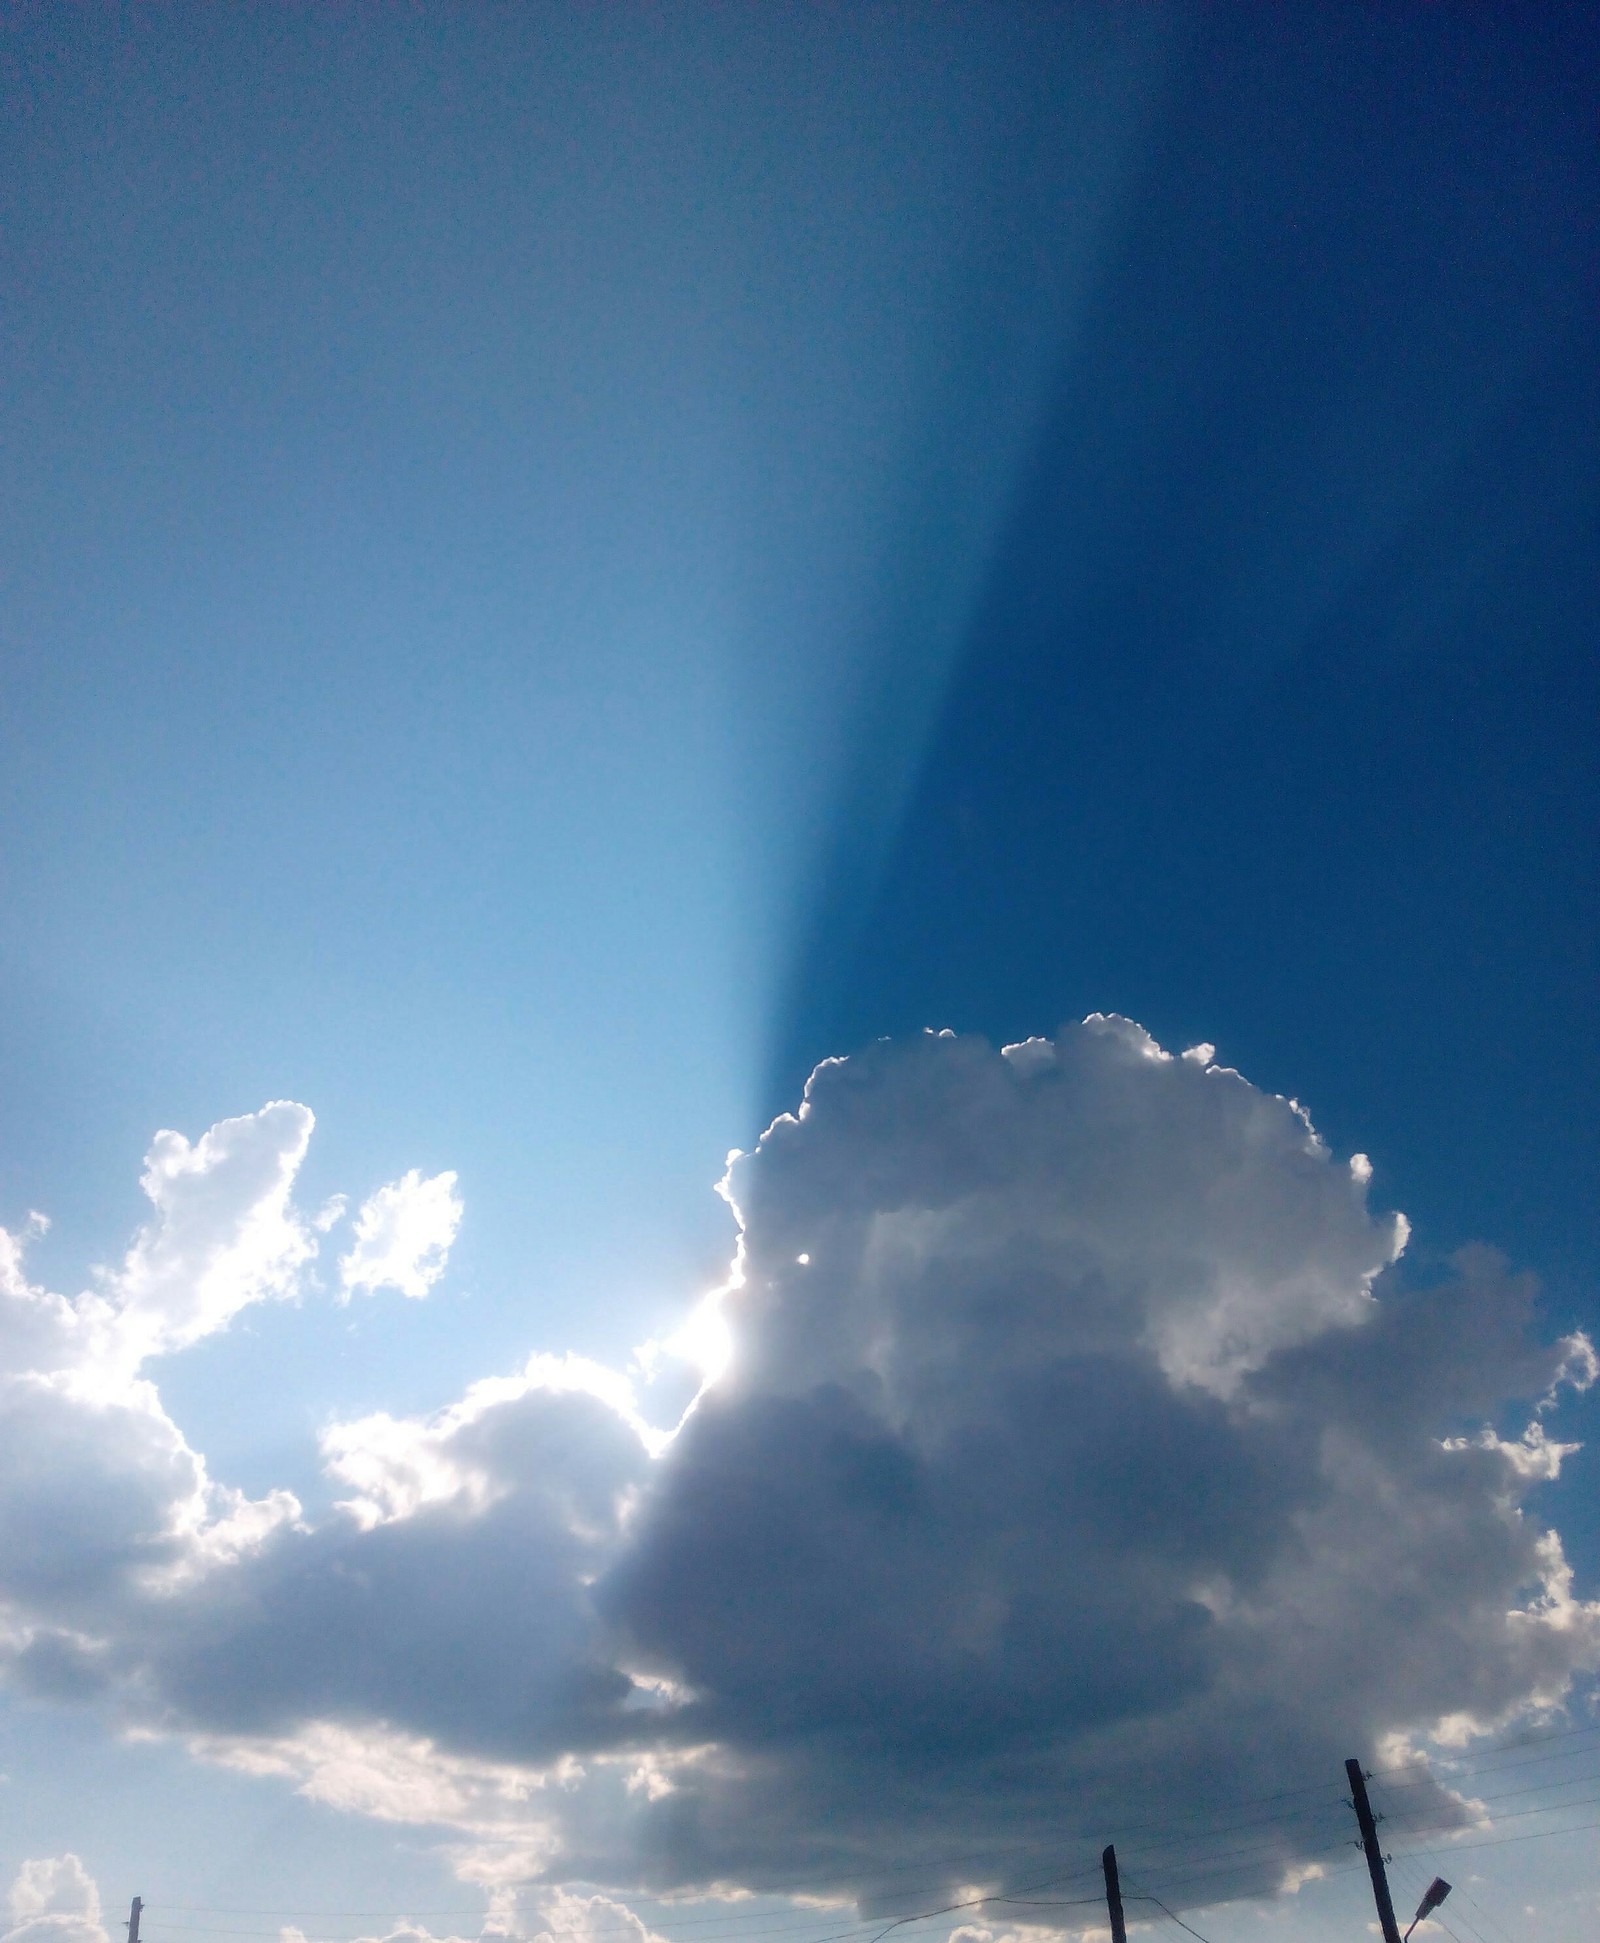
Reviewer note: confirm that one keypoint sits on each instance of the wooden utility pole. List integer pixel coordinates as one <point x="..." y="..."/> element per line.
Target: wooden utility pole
<point x="1108" y="1862"/>
<point x="1369" y="1842"/>
<point x="132" y="1924"/>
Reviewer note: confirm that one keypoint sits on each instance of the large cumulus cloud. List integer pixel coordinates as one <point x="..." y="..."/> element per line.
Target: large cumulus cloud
<point x="1065" y="1458"/>
<point x="1067" y="1443"/>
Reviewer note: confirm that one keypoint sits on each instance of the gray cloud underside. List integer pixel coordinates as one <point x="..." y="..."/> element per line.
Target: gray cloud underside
<point x="1066" y="1471"/>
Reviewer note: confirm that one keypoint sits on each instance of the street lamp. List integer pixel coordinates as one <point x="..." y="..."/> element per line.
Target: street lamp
<point x="1437" y="1890"/>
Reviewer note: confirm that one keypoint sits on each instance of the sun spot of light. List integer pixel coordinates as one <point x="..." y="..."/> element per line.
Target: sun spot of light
<point x="704" y="1339"/>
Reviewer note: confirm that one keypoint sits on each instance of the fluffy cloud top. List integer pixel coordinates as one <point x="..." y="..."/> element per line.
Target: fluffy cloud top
<point x="545" y="1916"/>
<point x="225" y="1235"/>
<point x="403" y="1236"/>
<point x="102" y="1501"/>
<point x="1075" y="1446"/>
<point x="54" y="1900"/>
<point x="103" y="1504"/>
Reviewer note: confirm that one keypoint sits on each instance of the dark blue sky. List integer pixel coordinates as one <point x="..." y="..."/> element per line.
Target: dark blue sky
<point x="1275" y="724"/>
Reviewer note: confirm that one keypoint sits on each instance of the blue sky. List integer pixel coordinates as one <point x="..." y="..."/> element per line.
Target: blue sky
<point x="560" y="568"/>
<point x="469" y="497"/>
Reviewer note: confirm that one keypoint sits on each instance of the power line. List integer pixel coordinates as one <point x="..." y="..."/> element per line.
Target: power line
<point x="1408" y="1815"/>
<point x="1168" y="1913"/>
<point x="707" y="1922"/>
<point x="807" y="1932"/>
<point x="1502" y="1933"/>
<point x="382" y="1915"/>
<point x="1032" y="1846"/>
<point x="1417" y="1884"/>
<point x="1203" y="1830"/>
<point x="1487" y="1754"/>
<point x="1164" y="1852"/>
<point x="1217" y="1821"/>
<point x="1260" y="1846"/>
<point x="1552" y="1808"/>
<point x="1534" y="1835"/>
<point x="1501" y="1841"/>
<point x="852" y="1933"/>
<point x="1453" y="1773"/>
<point x="387" y="1915"/>
<point x="1246" y="1867"/>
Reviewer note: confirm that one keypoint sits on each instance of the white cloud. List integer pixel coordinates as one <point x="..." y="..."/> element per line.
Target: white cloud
<point x="226" y="1234"/>
<point x="390" y="1776"/>
<point x="1060" y="1446"/>
<point x="400" y="1465"/>
<point x="403" y="1235"/>
<point x="102" y="1501"/>
<point x="1125" y="1187"/>
<point x="560" y="1916"/>
<point x="1049" y="1400"/>
<point x="538" y="1916"/>
<point x="54" y="1900"/>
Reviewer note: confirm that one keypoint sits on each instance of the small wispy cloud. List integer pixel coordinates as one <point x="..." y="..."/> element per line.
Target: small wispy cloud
<point x="403" y="1236"/>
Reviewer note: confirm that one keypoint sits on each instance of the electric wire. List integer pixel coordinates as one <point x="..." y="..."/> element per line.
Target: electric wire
<point x="877" y="1930"/>
<point x="1482" y="1757"/>
<point x="807" y="1934"/>
<point x="1419" y="1879"/>
<point x="1210" y="1822"/>
<point x="1215" y="1822"/>
<point x="970" y="1902"/>
<point x="1245" y="1864"/>
<point x="381" y="1915"/>
<point x="1502" y="1841"/>
<point x="1497" y="1813"/>
<point x="1499" y="1767"/>
<point x="700" y="1923"/>
<point x="1164" y="1854"/>
<point x="1415" y="1884"/>
<point x="1186" y="1879"/>
<point x="923" y="1916"/>
<point x="1554" y="1808"/>
<point x="1409" y="1859"/>
<point x="1145" y="1897"/>
<point x="1147" y="1856"/>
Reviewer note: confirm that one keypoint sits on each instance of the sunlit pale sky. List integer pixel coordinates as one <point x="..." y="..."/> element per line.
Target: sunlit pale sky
<point x="560" y="567"/>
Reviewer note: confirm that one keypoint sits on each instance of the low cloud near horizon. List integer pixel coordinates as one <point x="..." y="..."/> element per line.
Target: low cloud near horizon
<point x="53" y="1899"/>
<point x="1066" y="1439"/>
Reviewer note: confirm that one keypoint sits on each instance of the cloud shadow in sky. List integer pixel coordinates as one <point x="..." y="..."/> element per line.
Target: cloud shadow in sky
<point x="1272" y="724"/>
